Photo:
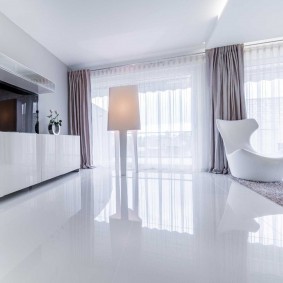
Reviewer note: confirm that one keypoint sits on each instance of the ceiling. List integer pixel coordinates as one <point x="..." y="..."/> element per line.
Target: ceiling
<point x="104" y="32"/>
<point x="247" y="21"/>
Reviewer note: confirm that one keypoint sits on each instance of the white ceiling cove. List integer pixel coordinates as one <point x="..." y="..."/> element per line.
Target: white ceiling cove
<point x="246" y="21"/>
<point x="102" y="32"/>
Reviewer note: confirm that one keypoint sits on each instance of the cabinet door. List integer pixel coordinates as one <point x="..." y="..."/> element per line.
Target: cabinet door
<point x="67" y="153"/>
<point x="47" y="153"/>
<point x="18" y="162"/>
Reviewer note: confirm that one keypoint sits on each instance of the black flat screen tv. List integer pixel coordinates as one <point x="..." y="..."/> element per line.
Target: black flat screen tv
<point x="18" y="109"/>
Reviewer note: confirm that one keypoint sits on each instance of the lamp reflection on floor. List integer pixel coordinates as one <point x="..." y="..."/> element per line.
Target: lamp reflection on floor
<point x="125" y="224"/>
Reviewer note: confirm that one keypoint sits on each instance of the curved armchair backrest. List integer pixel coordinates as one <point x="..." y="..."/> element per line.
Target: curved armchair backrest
<point x="236" y="134"/>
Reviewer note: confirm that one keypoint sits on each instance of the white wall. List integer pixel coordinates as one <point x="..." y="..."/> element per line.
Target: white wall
<point x="19" y="46"/>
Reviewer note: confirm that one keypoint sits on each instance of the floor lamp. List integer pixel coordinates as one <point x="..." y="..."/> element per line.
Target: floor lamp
<point x="123" y="115"/>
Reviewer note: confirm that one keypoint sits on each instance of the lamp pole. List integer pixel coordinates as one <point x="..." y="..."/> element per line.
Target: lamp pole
<point x="123" y="151"/>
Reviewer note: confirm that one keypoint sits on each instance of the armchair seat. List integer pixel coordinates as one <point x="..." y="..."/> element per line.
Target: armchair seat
<point x="244" y="162"/>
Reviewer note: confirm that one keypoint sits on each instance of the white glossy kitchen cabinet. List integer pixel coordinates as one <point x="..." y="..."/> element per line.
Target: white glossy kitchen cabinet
<point x="59" y="155"/>
<point x="67" y="154"/>
<point x="28" y="159"/>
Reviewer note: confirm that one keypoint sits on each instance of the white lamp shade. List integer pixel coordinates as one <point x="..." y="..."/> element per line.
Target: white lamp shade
<point x="123" y="111"/>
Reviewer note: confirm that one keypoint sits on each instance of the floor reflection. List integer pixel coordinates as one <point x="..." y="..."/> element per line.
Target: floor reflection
<point x="29" y="219"/>
<point x="243" y="210"/>
<point x="162" y="200"/>
<point x="148" y="227"/>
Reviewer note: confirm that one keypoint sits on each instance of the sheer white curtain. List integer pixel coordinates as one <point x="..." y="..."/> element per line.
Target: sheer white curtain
<point x="264" y="94"/>
<point x="174" y="114"/>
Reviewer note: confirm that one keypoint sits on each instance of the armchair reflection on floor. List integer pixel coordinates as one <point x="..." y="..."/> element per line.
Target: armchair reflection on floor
<point x="242" y="208"/>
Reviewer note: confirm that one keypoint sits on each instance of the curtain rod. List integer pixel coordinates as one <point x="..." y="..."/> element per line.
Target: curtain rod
<point x="263" y="42"/>
<point x="148" y="62"/>
<point x="248" y="44"/>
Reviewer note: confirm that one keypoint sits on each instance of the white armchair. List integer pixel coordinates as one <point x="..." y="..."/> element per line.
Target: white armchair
<point x="244" y="162"/>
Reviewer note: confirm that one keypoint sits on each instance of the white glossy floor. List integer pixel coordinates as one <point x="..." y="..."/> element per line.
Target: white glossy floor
<point x="162" y="228"/>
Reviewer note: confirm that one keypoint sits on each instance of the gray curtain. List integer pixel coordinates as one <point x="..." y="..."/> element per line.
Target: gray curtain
<point x="225" y="74"/>
<point x="80" y="116"/>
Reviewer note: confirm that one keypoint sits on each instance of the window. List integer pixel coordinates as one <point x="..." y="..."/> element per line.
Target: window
<point x="264" y="95"/>
<point x="173" y="112"/>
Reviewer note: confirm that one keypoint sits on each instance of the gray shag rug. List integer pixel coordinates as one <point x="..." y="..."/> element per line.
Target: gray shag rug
<point x="272" y="190"/>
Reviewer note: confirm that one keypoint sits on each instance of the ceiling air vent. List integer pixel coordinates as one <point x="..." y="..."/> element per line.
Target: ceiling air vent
<point x="16" y="74"/>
